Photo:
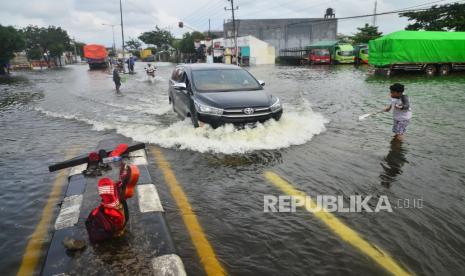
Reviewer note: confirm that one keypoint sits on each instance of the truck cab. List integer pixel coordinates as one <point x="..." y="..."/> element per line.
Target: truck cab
<point x="343" y="54"/>
<point x="364" y="55"/>
<point x="361" y="53"/>
<point x="319" y="56"/>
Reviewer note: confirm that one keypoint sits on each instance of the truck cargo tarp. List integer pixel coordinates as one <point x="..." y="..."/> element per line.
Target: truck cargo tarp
<point x="95" y="51"/>
<point x="417" y="47"/>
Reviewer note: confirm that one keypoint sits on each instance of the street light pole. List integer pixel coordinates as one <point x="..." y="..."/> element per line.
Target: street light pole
<point x="113" y="32"/>
<point x="75" y="50"/>
<point x="122" y="31"/>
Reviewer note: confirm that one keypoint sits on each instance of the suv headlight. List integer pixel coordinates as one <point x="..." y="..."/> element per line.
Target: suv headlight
<point x="276" y="106"/>
<point x="205" y="109"/>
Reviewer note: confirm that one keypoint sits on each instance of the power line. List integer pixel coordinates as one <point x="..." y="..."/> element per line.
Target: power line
<point x="321" y="21"/>
<point x="282" y="4"/>
<point x="204" y="14"/>
<point x="234" y="28"/>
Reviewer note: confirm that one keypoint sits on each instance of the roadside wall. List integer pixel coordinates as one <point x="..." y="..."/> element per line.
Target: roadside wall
<point x="285" y="33"/>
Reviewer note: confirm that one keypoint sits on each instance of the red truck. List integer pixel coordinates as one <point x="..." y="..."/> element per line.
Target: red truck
<point x="319" y="56"/>
<point x="96" y="55"/>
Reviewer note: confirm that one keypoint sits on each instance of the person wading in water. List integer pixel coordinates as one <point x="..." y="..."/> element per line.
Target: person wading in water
<point x="116" y="79"/>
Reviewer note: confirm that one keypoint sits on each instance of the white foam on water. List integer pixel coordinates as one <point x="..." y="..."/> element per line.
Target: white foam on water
<point x="296" y="127"/>
<point x="96" y="125"/>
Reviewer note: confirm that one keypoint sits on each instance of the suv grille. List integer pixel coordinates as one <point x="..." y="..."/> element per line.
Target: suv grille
<point x="246" y="112"/>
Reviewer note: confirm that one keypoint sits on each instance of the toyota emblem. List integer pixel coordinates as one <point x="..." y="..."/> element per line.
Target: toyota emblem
<point x="248" y="111"/>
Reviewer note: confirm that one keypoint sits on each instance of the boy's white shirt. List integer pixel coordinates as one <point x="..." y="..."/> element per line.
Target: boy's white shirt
<point x="399" y="114"/>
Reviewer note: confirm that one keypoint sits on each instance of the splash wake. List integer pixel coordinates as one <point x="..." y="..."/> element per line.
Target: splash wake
<point x="294" y="128"/>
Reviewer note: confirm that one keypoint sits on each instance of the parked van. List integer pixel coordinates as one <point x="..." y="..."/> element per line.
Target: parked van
<point x="343" y="54"/>
<point x="319" y="56"/>
<point x="340" y="53"/>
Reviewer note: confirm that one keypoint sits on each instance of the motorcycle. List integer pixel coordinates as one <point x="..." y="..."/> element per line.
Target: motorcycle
<point x="108" y="220"/>
<point x="150" y="71"/>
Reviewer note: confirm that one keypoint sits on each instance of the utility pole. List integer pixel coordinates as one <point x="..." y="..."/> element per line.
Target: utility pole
<point x="122" y="31"/>
<point x="232" y="9"/>
<point x="113" y="32"/>
<point x="209" y="35"/>
<point x="75" y="51"/>
<point x="374" y="13"/>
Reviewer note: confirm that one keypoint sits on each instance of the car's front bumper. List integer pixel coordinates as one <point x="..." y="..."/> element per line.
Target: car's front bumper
<point x="216" y="121"/>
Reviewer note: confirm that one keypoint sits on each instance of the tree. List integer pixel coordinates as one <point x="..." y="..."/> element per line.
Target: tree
<point x="51" y="42"/>
<point x="157" y="37"/>
<point x="133" y="45"/>
<point x="448" y="17"/>
<point x="79" y="48"/>
<point x="366" y="33"/>
<point x="343" y="38"/>
<point x="186" y="44"/>
<point x="11" y="41"/>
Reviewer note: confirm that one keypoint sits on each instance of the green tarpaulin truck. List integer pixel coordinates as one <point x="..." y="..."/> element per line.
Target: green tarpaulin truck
<point x="431" y="52"/>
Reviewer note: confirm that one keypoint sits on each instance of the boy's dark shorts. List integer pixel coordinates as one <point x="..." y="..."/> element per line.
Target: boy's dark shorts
<point x="400" y="127"/>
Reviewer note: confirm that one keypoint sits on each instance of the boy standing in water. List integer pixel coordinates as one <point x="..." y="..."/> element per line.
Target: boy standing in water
<point x="116" y="79"/>
<point x="401" y="110"/>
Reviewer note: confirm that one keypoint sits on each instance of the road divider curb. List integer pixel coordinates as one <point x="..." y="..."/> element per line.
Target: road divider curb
<point x="147" y="236"/>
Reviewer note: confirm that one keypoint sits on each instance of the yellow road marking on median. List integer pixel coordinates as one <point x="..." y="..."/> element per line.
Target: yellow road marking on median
<point x="34" y="246"/>
<point x="338" y="227"/>
<point x="204" y="249"/>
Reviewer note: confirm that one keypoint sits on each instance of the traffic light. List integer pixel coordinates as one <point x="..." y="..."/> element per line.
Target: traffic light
<point x="180" y="24"/>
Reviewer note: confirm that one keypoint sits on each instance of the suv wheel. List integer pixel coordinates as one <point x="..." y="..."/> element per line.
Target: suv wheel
<point x="172" y="104"/>
<point x="195" y="119"/>
<point x="194" y="116"/>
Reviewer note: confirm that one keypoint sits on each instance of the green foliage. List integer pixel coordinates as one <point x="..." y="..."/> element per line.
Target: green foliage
<point x="186" y="44"/>
<point x="133" y="44"/>
<point x="79" y="48"/>
<point x="111" y="53"/>
<point x="11" y="41"/>
<point x="342" y="38"/>
<point x="34" y="53"/>
<point x="448" y="17"/>
<point x="52" y="40"/>
<point x="157" y="37"/>
<point x="366" y="33"/>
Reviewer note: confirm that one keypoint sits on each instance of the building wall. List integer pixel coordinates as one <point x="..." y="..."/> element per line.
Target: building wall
<point x="285" y="33"/>
<point x="261" y="52"/>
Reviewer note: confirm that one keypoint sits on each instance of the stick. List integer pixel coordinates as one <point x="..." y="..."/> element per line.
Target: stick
<point x="364" y="116"/>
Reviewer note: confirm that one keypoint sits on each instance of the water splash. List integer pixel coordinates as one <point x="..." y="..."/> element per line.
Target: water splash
<point x="296" y="127"/>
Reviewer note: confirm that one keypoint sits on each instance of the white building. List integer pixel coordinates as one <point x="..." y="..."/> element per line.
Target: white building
<point x="252" y="50"/>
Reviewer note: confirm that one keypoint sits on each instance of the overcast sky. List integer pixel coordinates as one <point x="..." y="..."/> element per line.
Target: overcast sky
<point x="84" y="19"/>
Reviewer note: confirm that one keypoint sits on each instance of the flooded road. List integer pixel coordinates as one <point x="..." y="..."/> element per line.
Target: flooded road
<point x="319" y="147"/>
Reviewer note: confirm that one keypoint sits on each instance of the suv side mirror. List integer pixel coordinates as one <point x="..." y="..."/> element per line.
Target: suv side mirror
<point x="262" y="83"/>
<point x="180" y="86"/>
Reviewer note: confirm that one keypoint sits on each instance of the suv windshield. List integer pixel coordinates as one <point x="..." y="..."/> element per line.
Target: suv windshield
<point x="223" y="80"/>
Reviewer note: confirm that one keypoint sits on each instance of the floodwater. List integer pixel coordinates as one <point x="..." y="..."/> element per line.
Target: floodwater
<point x="319" y="146"/>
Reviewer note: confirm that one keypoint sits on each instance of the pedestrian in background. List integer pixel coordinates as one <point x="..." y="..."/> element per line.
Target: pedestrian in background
<point x="116" y="79"/>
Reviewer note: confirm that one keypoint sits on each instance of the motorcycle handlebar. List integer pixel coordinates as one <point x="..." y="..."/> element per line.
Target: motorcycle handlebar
<point x="85" y="159"/>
